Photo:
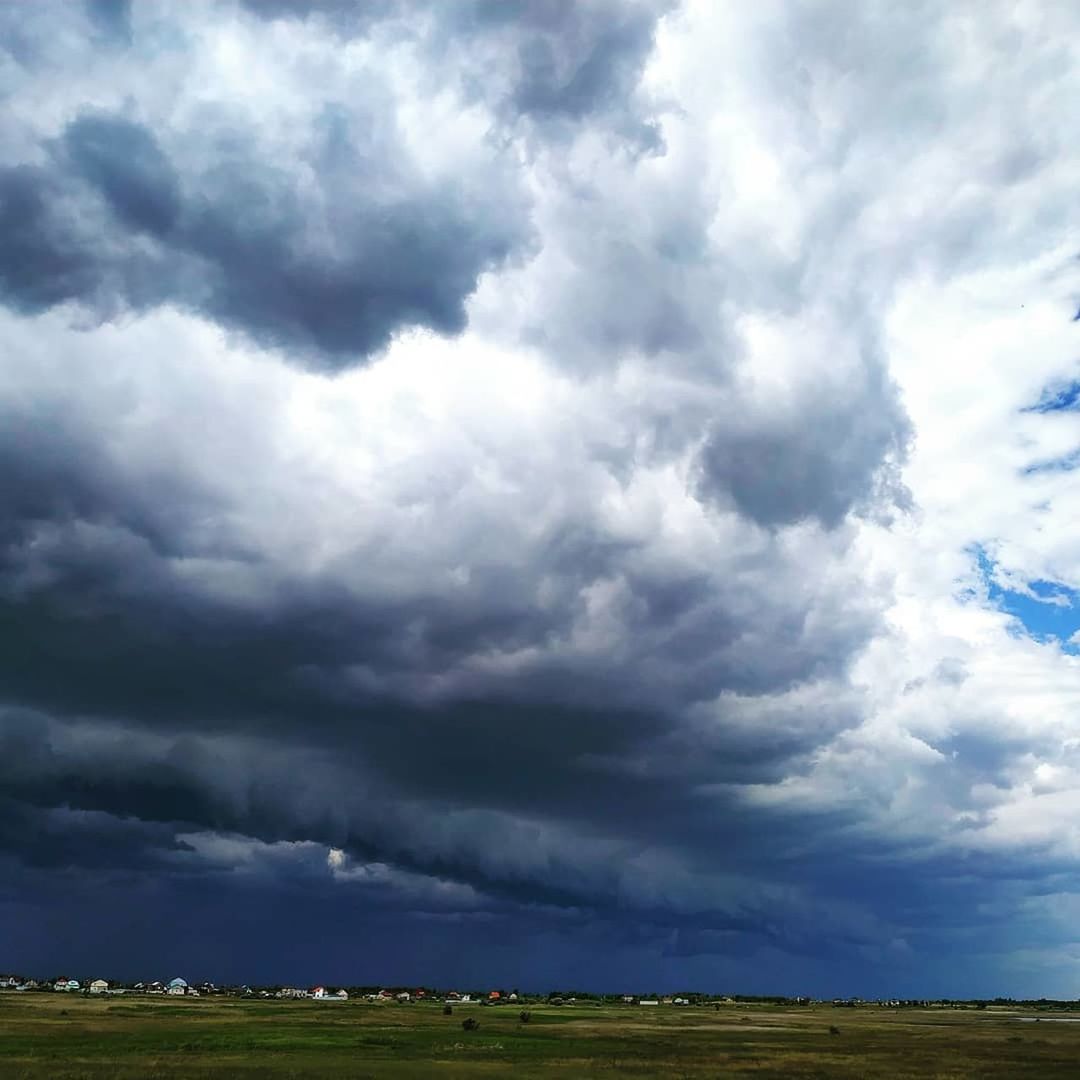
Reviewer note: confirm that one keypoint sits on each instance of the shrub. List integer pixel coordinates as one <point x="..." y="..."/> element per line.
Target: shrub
<point x="447" y="1010"/>
<point x="525" y="1016"/>
<point x="834" y="1030"/>
<point x="470" y="1023"/>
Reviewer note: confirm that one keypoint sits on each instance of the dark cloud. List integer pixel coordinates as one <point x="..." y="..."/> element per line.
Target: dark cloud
<point x="565" y="60"/>
<point x="331" y="278"/>
<point x="74" y="839"/>
<point x="206" y="681"/>
<point x="126" y="164"/>
<point x="45" y="261"/>
<point x="231" y="698"/>
<point x="348" y="16"/>
<point x="113" y="17"/>
<point x="832" y="457"/>
<point x="541" y="59"/>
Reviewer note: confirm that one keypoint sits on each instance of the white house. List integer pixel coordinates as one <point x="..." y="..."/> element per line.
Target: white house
<point x="177" y="987"/>
<point x="318" y="992"/>
<point x="99" y="986"/>
<point x="342" y="995"/>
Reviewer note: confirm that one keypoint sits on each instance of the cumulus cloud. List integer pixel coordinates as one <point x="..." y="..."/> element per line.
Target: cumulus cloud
<point x="321" y="234"/>
<point x="621" y="589"/>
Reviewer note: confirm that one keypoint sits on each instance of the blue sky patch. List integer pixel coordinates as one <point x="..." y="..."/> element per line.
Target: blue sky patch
<point x="1065" y="463"/>
<point x="1060" y="397"/>
<point x="1047" y="610"/>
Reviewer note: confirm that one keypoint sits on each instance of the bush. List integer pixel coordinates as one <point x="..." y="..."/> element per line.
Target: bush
<point x="470" y="1023"/>
<point x="525" y="1016"/>
<point x="447" y="1011"/>
<point x="834" y="1030"/>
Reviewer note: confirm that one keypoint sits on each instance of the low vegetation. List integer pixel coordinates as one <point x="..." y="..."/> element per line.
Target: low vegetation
<point x="61" y="1038"/>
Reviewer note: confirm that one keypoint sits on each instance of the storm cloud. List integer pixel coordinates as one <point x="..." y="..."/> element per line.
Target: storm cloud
<point x="485" y="480"/>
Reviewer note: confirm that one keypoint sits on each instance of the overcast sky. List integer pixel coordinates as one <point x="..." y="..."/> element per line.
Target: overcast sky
<point x="542" y="494"/>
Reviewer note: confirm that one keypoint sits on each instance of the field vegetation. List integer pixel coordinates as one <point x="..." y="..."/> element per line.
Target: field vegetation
<point x="63" y="1037"/>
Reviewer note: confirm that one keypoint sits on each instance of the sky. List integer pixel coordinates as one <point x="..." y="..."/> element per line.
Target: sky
<point x="542" y="495"/>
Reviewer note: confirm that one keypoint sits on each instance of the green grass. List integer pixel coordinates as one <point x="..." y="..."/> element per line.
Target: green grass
<point x="75" y="1038"/>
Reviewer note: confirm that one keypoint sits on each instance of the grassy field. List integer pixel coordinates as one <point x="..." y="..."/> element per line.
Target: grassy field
<point x="75" y="1038"/>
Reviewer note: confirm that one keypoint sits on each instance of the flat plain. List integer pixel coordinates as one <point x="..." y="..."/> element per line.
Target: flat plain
<point x="65" y="1037"/>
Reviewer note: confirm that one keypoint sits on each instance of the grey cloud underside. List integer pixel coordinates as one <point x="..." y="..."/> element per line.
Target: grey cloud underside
<point x="92" y="577"/>
<point x="193" y="709"/>
<point x="111" y="223"/>
<point x="572" y="899"/>
<point x="609" y="875"/>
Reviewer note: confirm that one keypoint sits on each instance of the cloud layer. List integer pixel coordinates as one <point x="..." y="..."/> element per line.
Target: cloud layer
<point x="550" y="494"/>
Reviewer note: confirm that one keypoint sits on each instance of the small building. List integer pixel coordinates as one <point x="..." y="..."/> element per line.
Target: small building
<point x="342" y="995"/>
<point x="99" y="986"/>
<point x="177" y="987"/>
<point x="317" y="992"/>
<point x="650" y="1001"/>
<point x="404" y="996"/>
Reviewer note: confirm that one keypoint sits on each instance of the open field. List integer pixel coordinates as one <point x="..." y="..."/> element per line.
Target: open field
<point x="73" y="1038"/>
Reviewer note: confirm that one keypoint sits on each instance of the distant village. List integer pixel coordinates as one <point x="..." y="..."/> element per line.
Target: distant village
<point x="178" y="987"/>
